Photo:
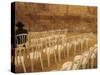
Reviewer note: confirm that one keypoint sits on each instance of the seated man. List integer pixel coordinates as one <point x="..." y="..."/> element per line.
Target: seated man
<point x="21" y="30"/>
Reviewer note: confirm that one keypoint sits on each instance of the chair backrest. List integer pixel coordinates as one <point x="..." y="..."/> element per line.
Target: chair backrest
<point x="94" y="52"/>
<point x="21" y="39"/>
<point x="85" y="57"/>
<point x="77" y="62"/>
<point x="93" y="56"/>
<point x="66" y="66"/>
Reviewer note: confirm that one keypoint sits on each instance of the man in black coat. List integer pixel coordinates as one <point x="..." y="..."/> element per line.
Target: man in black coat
<point x="21" y="30"/>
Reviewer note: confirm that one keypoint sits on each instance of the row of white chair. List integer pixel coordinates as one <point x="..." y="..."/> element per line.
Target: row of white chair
<point x="82" y="60"/>
<point x="36" y="53"/>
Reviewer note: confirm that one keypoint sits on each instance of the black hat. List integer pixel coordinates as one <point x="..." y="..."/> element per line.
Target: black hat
<point x="20" y="24"/>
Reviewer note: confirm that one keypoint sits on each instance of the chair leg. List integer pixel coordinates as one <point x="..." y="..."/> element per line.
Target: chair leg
<point x="48" y="59"/>
<point x="92" y="63"/>
<point x="23" y="65"/>
<point x="83" y="66"/>
<point x="59" y="55"/>
<point x="41" y="61"/>
<point x="55" y="57"/>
